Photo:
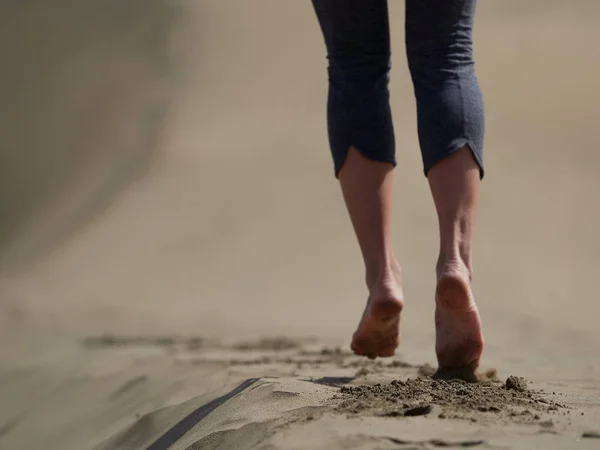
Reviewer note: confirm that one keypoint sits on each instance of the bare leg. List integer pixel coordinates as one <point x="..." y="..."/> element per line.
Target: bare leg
<point x="454" y="183"/>
<point x="362" y="142"/>
<point x="367" y="190"/>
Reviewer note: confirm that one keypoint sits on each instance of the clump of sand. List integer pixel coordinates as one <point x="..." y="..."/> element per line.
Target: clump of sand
<point x="456" y="399"/>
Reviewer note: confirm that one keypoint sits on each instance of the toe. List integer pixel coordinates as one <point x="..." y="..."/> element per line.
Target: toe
<point x="359" y="348"/>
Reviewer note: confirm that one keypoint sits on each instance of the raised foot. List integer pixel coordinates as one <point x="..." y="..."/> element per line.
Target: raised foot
<point x="459" y="340"/>
<point x="378" y="333"/>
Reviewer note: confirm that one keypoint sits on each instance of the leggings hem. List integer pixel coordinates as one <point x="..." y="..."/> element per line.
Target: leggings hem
<point x="457" y="145"/>
<point x="371" y="156"/>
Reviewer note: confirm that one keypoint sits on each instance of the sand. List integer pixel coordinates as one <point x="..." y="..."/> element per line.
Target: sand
<point x="177" y="269"/>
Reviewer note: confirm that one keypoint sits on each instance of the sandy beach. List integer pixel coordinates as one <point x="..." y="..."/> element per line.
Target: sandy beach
<point x="177" y="269"/>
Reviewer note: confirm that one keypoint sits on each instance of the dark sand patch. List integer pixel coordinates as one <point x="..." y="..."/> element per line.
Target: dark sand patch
<point x="280" y="352"/>
<point x="278" y="343"/>
<point x="437" y="443"/>
<point x="455" y="399"/>
<point x="169" y="342"/>
<point x="591" y="435"/>
<point x="275" y="343"/>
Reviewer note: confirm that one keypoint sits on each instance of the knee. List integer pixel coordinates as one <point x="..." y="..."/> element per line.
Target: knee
<point x="438" y="38"/>
<point x="437" y="60"/>
<point x="437" y="54"/>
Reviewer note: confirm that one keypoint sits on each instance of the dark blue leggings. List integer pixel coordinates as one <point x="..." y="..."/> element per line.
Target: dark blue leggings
<point x="438" y="36"/>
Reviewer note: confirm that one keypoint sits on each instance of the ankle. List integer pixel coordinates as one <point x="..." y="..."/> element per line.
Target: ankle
<point x="454" y="263"/>
<point x="385" y="273"/>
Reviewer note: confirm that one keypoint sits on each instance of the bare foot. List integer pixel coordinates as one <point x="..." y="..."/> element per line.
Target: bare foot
<point x="378" y="333"/>
<point x="459" y="340"/>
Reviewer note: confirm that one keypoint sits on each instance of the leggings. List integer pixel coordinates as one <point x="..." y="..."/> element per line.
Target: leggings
<point x="438" y="38"/>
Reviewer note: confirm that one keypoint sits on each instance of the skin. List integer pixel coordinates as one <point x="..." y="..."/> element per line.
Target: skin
<point x="454" y="182"/>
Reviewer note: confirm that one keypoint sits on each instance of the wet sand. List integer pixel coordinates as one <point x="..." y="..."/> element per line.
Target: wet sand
<point x="177" y="269"/>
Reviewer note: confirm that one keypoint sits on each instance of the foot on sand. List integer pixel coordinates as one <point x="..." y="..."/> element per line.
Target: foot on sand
<point x="378" y="333"/>
<point x="459" y="340"/>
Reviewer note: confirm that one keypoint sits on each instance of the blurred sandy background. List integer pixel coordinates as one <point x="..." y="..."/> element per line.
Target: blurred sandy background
<point x="165" y="171"/>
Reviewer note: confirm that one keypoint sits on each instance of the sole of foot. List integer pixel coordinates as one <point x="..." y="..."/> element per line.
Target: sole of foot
<point x="378" y="333"/>
<point x="459" y="339"/>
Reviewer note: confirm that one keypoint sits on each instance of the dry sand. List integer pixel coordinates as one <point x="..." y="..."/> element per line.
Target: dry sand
<point x="178" y="270"/>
